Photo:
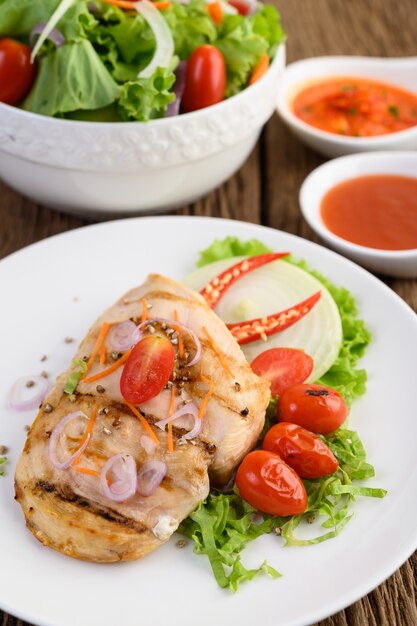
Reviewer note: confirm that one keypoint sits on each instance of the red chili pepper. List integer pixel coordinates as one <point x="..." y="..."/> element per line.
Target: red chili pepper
<point x="262" y="327"/>
<point x="217" y="287"/>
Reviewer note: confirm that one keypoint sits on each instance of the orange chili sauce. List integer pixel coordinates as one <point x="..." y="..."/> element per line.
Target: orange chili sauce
<point x="356" y="107"/>
<point x="374" y="211"/>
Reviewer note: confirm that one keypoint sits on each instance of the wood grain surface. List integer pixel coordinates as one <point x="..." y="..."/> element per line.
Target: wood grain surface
<point x="265" y="190"/>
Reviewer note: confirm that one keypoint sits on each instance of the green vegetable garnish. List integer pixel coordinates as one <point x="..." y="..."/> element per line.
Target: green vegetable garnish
<point x="75" y="376"/>
<point x="3" y="460"/>
<point x="222" y="526"/>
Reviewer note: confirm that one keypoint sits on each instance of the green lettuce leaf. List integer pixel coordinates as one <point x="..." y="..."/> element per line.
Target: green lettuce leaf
<point x="190" y="25"/>
<point x="147" y="98"/>
<point x="222" y="526"/>
<point x="69" y="79"/>
<point x="79" y="368"/>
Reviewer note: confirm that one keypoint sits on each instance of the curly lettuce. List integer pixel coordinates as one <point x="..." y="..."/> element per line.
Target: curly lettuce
<point x="223" y="525"/>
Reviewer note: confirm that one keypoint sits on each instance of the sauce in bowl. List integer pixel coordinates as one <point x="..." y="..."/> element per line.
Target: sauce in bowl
<point x="356" y="107"/>
<point x="377" y="211"/>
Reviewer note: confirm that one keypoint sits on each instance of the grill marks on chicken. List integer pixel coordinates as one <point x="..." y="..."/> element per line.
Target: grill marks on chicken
<point x="66" y="510"/>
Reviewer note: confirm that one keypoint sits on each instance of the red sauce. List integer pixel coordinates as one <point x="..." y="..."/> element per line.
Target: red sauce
<point x="356" y="107"/>
<point x="374" y="211"/>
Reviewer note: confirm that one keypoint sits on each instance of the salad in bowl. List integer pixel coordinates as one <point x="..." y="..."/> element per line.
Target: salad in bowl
<point x="116" y="60"/>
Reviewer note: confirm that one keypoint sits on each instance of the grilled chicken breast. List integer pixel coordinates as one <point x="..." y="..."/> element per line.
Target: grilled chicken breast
<point x="67" y="510"/>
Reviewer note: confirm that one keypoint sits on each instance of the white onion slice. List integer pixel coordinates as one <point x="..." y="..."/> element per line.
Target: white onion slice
<point x="173" y="324"/>
<point x="187" y="409"/>
<point x="23" y="397"/>
<point x="272" y="288"/>
<point x="61" y="9"/>
<point x="164" y="50"/>
<point x="150" y="476"/>
<point x="123" y="336"/>
<point x="121" y="470"/>
<point x="54" y="439"/>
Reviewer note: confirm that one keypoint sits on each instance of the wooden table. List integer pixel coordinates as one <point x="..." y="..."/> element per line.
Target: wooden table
<point x="265" y="191"/>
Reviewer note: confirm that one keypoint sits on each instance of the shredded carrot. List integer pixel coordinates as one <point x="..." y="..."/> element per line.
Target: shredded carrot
<point x="170" y="412"/>
<point x="100" y="341"/>
<point x="97" y="461"/>
<point x="87" y="470"/>
<point x="102" y="354"/>
<point x="203" y="405"/>
<point x="219" y="353"/>
<point x="87" y="434"/>
<point x="216" y="12"/>
<point x="143" y="421"/>
<point x="109" y="370"/>
<point x="260" y="69"/>
<point x="131" y="6"/>
<point x="144" y="310"/>
<point x="180" y="337"/>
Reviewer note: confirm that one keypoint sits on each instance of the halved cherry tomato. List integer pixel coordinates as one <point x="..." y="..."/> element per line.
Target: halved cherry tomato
<point x="270" y="485"/>
<point x="205" y="79"/>
<point x="242" y="7"/>
<point x="17" y="73"/>
<point x="147" y="370"/>
<point x="283" y="367"/>
<point x="316" y="407"/>
<point x="305" y="452"/>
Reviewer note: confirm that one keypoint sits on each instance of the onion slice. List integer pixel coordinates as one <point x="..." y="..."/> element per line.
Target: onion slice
<point x="164" y="50"/>
<point x="123" y="336"/>
<point x="54" y="439"/>
<point x="179" y="87"/>
<point x="121" y="470"/>
<point x="55" y="35"/>
<point x="150" y="476"/>
<point x="25" y="396"/>
<point x="187" y="409"/>
<point x="173" y="324"/>
<point x="61" y="9"/>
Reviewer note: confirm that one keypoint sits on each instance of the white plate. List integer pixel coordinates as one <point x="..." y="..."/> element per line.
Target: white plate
<point x="172" y="586"/>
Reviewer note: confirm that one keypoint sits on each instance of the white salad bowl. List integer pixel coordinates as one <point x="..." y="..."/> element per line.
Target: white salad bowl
<point x="108" y="169"/>
<point x="397" y="72"/>
<point x="400" y="263"/>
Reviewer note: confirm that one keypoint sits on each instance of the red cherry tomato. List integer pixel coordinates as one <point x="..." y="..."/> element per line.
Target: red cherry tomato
<point x="284" y="367"/>
<point x="319" y="409"/>
<point x="147" y="370"/>
<point x="305" y="452"/>
<point x="205" y="79"/>
<point x="242" y="7"/>
<point x="17" y="73"/>
<point x="270" y="485"/>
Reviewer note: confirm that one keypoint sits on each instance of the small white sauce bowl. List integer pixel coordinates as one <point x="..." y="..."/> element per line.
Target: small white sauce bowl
<point x="401" y="263"/>
<point x="397" y="72"/>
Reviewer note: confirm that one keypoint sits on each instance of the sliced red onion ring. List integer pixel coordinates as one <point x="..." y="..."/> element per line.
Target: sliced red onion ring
<point x="150" y="476"/>
<point x="121" y="469"/>
<point x="187" y="409"/>
<point x="173" y="324"/>
<point x="123" y="336"/>
<point x="54" y="439"/>
<point x="174" y="107"/>
<point x="55" y="35"/>
<point x="25" y="396"/>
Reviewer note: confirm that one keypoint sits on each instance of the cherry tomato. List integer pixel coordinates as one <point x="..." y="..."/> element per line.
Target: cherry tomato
<point x="205" y="79"/>
<point x="305" y="452"/>
<point x="270" y="485"/>
<point x="319" y="409"/>
<point x="17" y="73"/>
<point x="147" y="370"/>
<point x="284" y="367"/>
<point x="242" y="7"/>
